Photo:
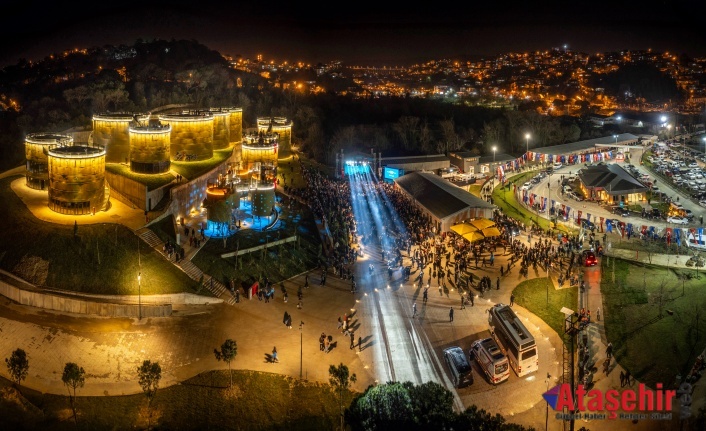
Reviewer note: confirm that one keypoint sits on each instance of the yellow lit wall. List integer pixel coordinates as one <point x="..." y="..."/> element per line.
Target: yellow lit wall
<point x="236" y="125"/>
<point x="191" y="136"/>
<point x="221" y="129"/>
<point x="76" y="179"/>
<point x="279" y="125"/>
<point x="37" y="146"/>
<point x="150" y="149"/>
<point x="258" y="148"/>
<point x="110" y="131"/>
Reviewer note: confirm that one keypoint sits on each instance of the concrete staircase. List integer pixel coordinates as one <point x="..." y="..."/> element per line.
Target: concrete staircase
<point x="210" y="283"/>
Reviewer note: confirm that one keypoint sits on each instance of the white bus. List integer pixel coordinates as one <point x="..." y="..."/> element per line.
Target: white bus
<point x="515" y="339"/>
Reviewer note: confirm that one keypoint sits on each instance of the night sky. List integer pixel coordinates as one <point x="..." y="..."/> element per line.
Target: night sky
<point x="364" y="32"/>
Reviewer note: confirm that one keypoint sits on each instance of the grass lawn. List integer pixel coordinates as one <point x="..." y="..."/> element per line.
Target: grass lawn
<point x="655" y="349"/>
<point x="474" y="189"/>
<point x="258" y="401"/>
<point x="506" y="201"/>
<point x="152" y="181"/>
<point x="101" y="258"/>
<point x="192" y="170"/>
<point x="532" y="295"/>
<point x="278" y="263"/>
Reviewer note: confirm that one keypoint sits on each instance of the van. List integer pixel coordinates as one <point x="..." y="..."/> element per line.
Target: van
<point x="491" y="360"/>
<point x="557" y="165"/>
<point x="459" y="366"/>
<point x="449" y="172"/>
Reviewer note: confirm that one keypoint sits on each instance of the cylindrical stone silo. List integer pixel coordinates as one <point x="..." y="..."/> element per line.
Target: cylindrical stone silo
<point x="279" y="125"/>
<point x="150" y="148"/>
<point x="76" y="179"/>
<point x="236" y="125"/>
<point x="221" y="128"/>
<point x="259" y="148"/>
<point x="110" y="131"/>
<point x="37" y="146"/>
<point x="191" y="136"/>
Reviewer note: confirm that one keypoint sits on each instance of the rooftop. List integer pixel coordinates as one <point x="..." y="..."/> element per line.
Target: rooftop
<point x="612" y="178"/>
<point x="585" y="145"/>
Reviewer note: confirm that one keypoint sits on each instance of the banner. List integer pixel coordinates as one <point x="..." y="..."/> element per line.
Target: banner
<point x="579" y="217"/>
<point x="609" y="226"/>
<point x="677" y="236"/>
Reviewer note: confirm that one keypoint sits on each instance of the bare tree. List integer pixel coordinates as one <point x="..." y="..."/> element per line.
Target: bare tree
<point x="663" y="296"/>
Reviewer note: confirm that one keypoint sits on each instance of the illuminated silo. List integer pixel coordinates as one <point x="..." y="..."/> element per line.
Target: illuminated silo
<point x="259" y="148"/>
<point x="236" y="125"/>
<point x="149" y="148"/>
<point x="76" y="179"/>
<point x="37" y="146"/>
<point x="221" y="128"/>
<point x="220" y="202"/>
<point x="191" y="136"/>
<point x="279" y="125"/>
<point x="110" y="131"/>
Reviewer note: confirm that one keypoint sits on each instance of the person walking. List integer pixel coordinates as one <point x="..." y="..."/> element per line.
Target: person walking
<point x="340" y="323"/>
<point x="306" y="281"/>
<point x="622" y="378"/>
<point x="425" y="296"/>
<point x="414" y="310"/>
<point x="470" y="296"/>
<point x="322" y="339"/>
<point x="352" y="340"/>
<point x="609" y="350"/>
<point x="497" y="284"/>
<point x="512" y="299"/>
<point x="360" y="343"/>
<point x="451" y="314"/>
<point x="463" y="301"/>
<point x="274" y="355"/>
<point x="627" y="378"/>
<point x="598" y="314"/>
<point x="327" y="344"/>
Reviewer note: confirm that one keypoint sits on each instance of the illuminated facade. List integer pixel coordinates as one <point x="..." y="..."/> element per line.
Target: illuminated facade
<point x="279" y="125"/>
<point x="220" y="201"/>
<point x="37" y="146"/>
<point x="221" y="128"/>
<point x="191" y="135"/>
<point x="259" y="148"/>
<point x="77" y="180"/>
<point x="111" y="131"/>
<point x="260" y="164"/>
<point x="150" y="148"/>
<point x="236" y="125"/>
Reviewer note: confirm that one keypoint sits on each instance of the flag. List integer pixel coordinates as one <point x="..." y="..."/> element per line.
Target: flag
<point x="677" y="236"/>
<point x="609" y="226"/>
<point x="579" y="217"/>
<point x="568" y="211"/>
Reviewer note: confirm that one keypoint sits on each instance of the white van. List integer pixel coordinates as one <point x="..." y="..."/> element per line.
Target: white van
<point x="557" y="165"/>
<point x="491" y="359"/>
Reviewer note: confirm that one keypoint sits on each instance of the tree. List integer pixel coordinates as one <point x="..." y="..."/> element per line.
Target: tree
<point x="229" y="349"/>
<point x="340" y="379"/>
<point x="149" y="374"/>
<point x="73" y="377"/>
<point x="18" y="365"/>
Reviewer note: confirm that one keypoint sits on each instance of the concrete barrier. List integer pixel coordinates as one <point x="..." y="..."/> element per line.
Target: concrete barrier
<point x="80" y="305"/>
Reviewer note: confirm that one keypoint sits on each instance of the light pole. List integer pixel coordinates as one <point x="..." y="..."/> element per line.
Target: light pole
<point x="301" y="348"/>
<point x="616" y="138"/>
<point x="546" y="414"/>
<point x="704" y="139"/>
<point x="527" y="136"/>
<point x="495" y="148"/>
<point x="139" y="295"/>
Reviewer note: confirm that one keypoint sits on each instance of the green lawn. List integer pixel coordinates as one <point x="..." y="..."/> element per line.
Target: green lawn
<point x="192" y="170"/>
<point x="506" y="201"/>
<point x="152" y="181"/>
<point x="101" y="258"/>
<point x="654" y="349"/>
<point x="278" y="263"/>
<point x="258" y="401"/>
<point x="532" y="295"/>
<point x="474" y="189"/>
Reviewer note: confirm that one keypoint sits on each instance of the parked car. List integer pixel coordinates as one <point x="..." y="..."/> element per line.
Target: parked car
<point x="621" y="211"/>
<point x="459" y="366"/>
<point x="678" y="220"/>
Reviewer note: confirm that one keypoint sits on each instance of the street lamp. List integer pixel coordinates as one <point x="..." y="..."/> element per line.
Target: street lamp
<point x="301" y="348"/>
<point x="546" y="414"/>
<point x="616" y="138"/>
<point x="527" y="136"/>
<point x="139" y="295"/>
<point x="495" y="148"/>
<point x="704" y="139"/>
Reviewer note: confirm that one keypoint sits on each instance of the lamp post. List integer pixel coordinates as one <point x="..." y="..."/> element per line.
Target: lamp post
<point x="546" y="414"/>
<point x="704" y="139"/>
<point x="495" y="148"/>
<point x="301" y="348"/>
<point x="527" y="136"/>
<point x="139" y="295"/>
<point x="616" y="138"/>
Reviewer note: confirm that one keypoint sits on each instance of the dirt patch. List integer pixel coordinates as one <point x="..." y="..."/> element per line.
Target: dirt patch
<point x="34" y="269"/>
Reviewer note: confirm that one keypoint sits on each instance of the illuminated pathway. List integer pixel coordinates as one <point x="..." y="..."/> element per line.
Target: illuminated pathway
<point x="402" y="351"/>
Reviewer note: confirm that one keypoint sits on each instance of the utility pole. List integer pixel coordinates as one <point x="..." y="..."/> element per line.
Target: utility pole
<point x="301" y="349"/>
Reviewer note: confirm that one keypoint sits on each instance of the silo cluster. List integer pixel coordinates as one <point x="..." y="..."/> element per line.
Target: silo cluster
<point x="111" y="131"/>
<point x="37" y="146"/>
<point x="236" y="125"/>
<point x="76" y="179"/>
<point x="191" y="135"/>
<point x="261" y="147"/>
<point x="150" y="148"/>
